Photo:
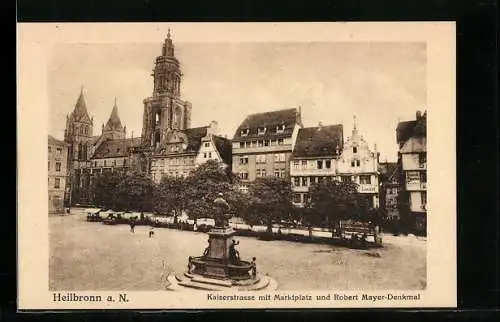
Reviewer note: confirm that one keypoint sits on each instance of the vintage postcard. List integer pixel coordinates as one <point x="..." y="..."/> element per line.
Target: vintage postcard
<point x="236" y="165"/>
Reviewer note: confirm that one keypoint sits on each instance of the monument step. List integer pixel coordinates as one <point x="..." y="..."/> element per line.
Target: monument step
<point x="213" y="281"/>
<point x="203" y="286"/>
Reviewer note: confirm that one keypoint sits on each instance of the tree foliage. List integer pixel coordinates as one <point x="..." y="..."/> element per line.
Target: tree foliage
<point x="103" y="189"/>
<point x="169" y="195"/>
<point x="335" y="201"/>
<point x="270" y="199"/>
<point x="123" y="191"/>
<point x="204" y="184"/>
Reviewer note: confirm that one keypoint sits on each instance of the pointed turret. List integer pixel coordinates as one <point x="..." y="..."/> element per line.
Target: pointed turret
<point x="114" y="123"/>
<point x="80" y="111"/>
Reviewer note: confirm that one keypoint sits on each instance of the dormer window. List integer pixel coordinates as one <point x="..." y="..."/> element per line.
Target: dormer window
<point x="280" y="129"/>
<point x="245" y="132"/>
<point x="261" y="130"/>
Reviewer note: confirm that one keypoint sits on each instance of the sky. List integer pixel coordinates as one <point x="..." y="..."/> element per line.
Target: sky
<point x="380" y="83"/>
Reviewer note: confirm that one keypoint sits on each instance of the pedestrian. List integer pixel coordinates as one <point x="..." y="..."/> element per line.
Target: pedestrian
<point x="151" y="233"/>
<point x="132" y="226"/>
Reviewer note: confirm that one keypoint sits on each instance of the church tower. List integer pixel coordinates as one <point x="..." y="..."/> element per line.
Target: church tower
<point x="78" y="133"/>
<point x="114" y="129"/>
<point x="165" y="111"/>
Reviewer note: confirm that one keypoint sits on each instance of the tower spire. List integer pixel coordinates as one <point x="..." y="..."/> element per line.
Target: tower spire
<point x="168" y="33"/>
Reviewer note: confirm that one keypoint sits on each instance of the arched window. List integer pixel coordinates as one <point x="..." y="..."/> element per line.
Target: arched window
<point x="157" y="139"/>
<point x="80" y="151"/>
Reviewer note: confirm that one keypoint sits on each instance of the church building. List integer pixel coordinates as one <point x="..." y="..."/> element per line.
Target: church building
<point x="168" y="144"/>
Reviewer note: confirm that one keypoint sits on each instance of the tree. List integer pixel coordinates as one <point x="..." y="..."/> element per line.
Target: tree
<point x="334" y="200"/>
<point x="135" y="192"/>
<point x="203" y="185"/>
<point x="271" y="200"/>
<point x="169" y="196"/>
<point x="103" y="189"/>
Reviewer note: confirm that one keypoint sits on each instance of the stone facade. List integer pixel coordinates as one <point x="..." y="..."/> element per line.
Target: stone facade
<point x="359" y="164"/>
<point x="314" y="159"/>
<point x="263" y="144"/>
<point x="57" y="174"/>
<point x="412" y="160"/>
<point x="321" y="154"/>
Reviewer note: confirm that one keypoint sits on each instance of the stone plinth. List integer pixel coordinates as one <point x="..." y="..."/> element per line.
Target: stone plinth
<point x="220" y="268"/>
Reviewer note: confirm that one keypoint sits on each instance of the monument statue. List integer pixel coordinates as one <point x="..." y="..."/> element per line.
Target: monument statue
<point x="221" y="212"/>
<point x="220" y="266"/>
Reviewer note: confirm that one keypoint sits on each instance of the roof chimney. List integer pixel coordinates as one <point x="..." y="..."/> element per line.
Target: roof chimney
<point x="419" y="115"/>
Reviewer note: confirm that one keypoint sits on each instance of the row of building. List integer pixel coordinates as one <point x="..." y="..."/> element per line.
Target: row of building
<point x="273" y="143"/>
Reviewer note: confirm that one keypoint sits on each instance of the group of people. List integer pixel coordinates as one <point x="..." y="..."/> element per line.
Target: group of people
<point x="151" y="231"/>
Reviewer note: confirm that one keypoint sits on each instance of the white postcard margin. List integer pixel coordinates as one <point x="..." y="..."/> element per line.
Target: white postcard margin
<point x="35" y="41"/>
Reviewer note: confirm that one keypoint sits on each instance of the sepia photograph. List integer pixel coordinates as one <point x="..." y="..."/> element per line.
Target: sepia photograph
<point x="224" y="169"/>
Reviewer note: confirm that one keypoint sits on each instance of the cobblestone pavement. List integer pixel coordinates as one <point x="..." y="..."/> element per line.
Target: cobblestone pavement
<point x="94" y="256"/>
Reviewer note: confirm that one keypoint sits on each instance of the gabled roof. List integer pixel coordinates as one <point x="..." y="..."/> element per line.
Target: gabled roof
<point x="54" y="141"/>
<point x="269" y="120"/>
<point x="114" y="123"/>
<point x="80" y="111"/>
<point x="387" y="170"/>
<point x="115" y="148"/>
<point x="405" y="130"/>
<point x="415" y="145"/>
<point x="224" y="147"/>
<point x="319" y="141"/>
<point x="194" y="137"/>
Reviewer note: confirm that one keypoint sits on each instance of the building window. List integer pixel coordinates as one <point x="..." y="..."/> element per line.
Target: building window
<point x="59" y="152"/>
<point x="345" y="178"/>
<point x="358" y="163"/>
<point x="355" y="149"/>
<point x="423" y="177"/>
<point x="353" y="164"/>
<point x="261" y="172"/>
<point x="58" y="166"/>
<point x="207" y="144"/>
<point x="280" y="173"/>
<point x="321" y="179"/>
<point x="266" y="142"/>
<point x="280" y="129"/>
<point x="242" y="145"/>
<point x="303" y="181"/>
<point x="412" y="177"/>
<point x="304" y="164"/>
<point x="243" y="160"/>
<point x="273" y="142"/>
<point x="243" y="189"/>
<point x="312" y="180"/>
<point x="365" y="179"/>
<point x="209" y="155"/>
<point x="279" y="157"/>
<point x="254" y="144"/>
<point x="280" y="142"/>
<point x="261" y="130"/>
<point x="57" y="183"/>
<point x="49" y="165"/>
<point x="296" y="165"/>
<point x="243" y="175"/>
<point x="320" y="164"/>
<point x="296" y="198"/>
<point x="260" y="143"/>
<point x="247" y="144"/>
<point x="245" y="132"/>
<point x="114" y="163"/>
<point x="422" y="160"/>
<point x="50" y="149"/>
<point x="260" y="158"/>
<point x="423" y="198"/>
<point x="328" y="164"/>
<point x="204" y="155"/>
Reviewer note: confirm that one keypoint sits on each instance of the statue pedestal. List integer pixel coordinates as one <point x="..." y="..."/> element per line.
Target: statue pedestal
<point x="220" y="268"/>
